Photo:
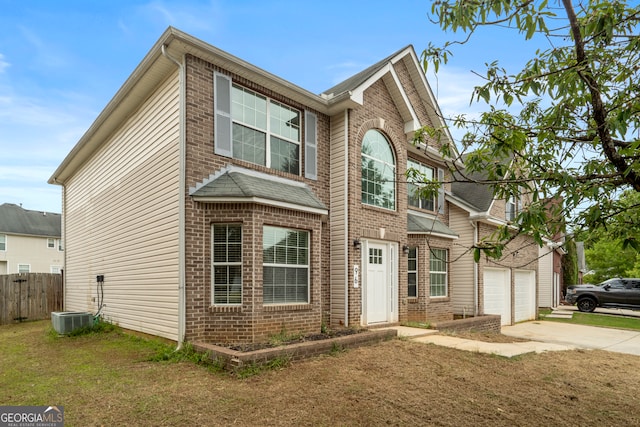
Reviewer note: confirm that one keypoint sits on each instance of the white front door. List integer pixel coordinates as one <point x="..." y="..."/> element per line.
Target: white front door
<point x="379" y="301"/>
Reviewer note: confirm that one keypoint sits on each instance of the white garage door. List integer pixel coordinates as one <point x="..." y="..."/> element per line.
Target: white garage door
<point x="525" y="295"/>
<point x="497" y="293"/>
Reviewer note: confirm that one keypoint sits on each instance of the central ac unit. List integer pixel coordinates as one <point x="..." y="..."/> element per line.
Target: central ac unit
<point x="67" y="322"/>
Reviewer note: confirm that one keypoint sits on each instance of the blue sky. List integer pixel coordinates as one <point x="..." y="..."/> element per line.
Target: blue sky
<point x="62" y="61"/>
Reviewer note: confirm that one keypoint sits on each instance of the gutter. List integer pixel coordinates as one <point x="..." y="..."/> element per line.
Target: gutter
<point x="346" y="218"/>
<point x="476" y="267"/>
<point x="181" y="201"/>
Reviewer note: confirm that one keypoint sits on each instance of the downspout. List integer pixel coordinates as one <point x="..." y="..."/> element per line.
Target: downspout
<point x="181" y="201"/>
<point x="346" y="217"/>
<point x="474" y="224"/>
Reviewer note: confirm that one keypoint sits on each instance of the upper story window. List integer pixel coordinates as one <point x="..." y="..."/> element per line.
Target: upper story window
<point x="265" y="132"/>
<point x="512" y="208"/>
<point x="51" y="243"/>
<point x="378" y="171"/>
<point x="3" y="242"/>
<point x="415" y="199"/>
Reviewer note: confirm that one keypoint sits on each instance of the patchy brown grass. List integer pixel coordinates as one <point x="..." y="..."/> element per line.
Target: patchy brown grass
<point x="106" y="380"/>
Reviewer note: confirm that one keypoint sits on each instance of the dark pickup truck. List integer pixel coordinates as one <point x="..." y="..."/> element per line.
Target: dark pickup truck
<point x="619" y="292"/>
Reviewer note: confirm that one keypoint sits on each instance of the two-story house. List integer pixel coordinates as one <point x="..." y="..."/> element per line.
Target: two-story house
<point x="30" y="241"/>
<point x="221" y="203"/>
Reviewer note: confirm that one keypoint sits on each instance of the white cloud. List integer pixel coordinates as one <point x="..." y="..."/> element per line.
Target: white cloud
<point x="190" y="17"/>
<point x="3" y="64"/>
<point x="44" y="54"/>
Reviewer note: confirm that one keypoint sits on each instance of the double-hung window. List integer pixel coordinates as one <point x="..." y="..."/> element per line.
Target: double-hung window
<point x="413" y="187"/>
<point x="265" y="132"/>
<point x="3" y="242"/>
<point x="438" y="273"/>
<point x="227" y="264"/>
<point x="252" y="127"/>
<point x="285" y="268"/>
<point x="412" y="269"/>
<point x="51" y="243"/>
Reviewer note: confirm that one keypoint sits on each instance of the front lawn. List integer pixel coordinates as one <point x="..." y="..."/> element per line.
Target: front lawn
<point x="596" y="319"/>
<point x="111" y="379"/>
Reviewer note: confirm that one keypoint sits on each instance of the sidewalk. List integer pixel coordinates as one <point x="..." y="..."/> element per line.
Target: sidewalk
<point x="542" y="336"/>
<point x="432" y="336"/>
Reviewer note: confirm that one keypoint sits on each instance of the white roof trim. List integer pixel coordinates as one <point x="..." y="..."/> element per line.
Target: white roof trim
<point x="261" y="201"/>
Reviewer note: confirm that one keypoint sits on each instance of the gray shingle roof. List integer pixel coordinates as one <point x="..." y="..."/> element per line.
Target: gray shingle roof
<point x="353" y="82"/>
<point x="16" y="220"/>
<point x="421" y="224"/>
<point x="479" y="196"/>
<point x="236" y="183"/>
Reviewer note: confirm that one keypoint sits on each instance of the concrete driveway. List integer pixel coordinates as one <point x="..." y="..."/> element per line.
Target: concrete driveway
<point x="579" y="336"/>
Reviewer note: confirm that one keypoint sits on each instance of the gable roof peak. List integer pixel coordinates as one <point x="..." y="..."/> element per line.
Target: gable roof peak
<point x="360" y="78"/>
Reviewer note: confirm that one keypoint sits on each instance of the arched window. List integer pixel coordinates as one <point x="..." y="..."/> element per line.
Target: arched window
<point x="378" y="171"/>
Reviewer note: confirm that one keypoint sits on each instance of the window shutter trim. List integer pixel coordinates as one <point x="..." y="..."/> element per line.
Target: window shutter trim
<point x="310" y="145"/>
<point x="441" y="191"/>
<point x="222" y="121"/>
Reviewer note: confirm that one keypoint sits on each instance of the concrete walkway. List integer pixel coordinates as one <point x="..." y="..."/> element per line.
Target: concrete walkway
<point x="431" y="336"/>
<point x="541" y="335"/>
<point x="578" y="336"/>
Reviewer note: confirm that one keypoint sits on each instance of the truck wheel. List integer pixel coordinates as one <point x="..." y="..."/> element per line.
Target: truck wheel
<point x="586" y="305"/>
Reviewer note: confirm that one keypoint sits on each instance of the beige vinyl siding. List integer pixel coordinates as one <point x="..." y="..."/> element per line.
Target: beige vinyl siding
<point x="545" y="276"/>
<point x="337" y="219"/>
<point x="30" y="250"/>
<point x="462" y="270"/>
<point x="122" y="212"/>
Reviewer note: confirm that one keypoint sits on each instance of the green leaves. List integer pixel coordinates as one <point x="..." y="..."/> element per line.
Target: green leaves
<point x="565" y="125"/>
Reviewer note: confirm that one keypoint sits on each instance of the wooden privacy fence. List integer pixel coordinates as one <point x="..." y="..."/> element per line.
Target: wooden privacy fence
<point x="30" y="296"/>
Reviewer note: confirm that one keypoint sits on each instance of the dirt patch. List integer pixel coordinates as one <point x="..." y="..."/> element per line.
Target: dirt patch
<point x="285" y="341"/>
<point x="484" y="336"/>
<point x="107" y="380"/>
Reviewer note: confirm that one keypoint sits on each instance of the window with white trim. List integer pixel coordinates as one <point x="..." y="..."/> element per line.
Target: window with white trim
<point x="412" y="269"/>
<point x="227" y="264"/>
<point x="513" y="206"/>
<point x="413" y="187"/>
<point x="51" y="243"/>
<point x="56" y="269"/>
<point x="378" y="171"/>
<point x="3" y="242"/>
<point x="260" y="130"/>
<point x="285" y="268"/>
<point x="24" y="268"/>
<point x="438" y="273"/>
<point x="265" y="132"/>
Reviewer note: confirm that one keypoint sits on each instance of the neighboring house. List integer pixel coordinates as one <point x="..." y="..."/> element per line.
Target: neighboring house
<point x="582" y="263"/>
<point x="550" y="259"/>
<point x="550" y="270"/>
<point x="507" y="286"/>
<point x="29" y="241"/>
<point x="221" y="203"/>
